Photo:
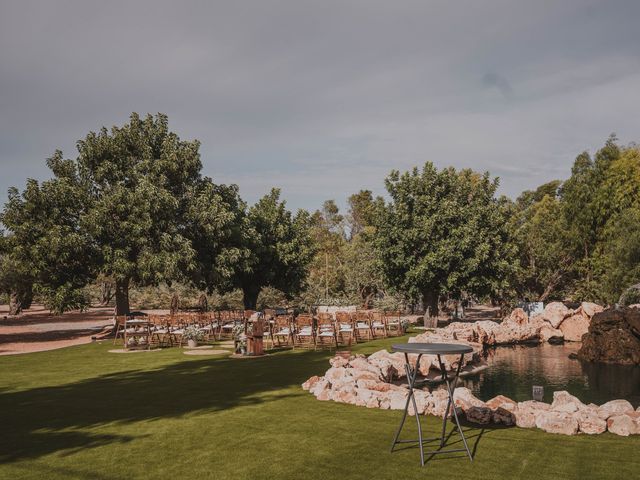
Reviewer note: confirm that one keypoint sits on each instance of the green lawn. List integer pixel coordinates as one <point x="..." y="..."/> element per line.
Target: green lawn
<point x="82" y="412"/>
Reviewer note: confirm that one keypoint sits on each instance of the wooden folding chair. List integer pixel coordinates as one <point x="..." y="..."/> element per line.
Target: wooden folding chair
<point x="228" y="324"/>
<point x="303" y="333"/>
<point x="282" y="330"/>
<point x="159" y="330"/>
<point x="394" y="324"/>
<point x="363" y="326"/>
<point x="326" y="334"/>
<point x="378" y="325"/>
<point x="121" y="321"/>
<point x="346" y="328"/>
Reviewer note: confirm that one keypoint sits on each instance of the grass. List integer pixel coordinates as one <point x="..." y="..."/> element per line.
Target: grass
<point x="82" y="412"/>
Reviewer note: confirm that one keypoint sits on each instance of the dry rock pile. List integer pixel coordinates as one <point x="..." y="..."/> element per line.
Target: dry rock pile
<point x="374" y="382"/>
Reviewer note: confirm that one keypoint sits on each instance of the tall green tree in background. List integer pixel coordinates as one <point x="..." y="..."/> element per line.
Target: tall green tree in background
<point x="279" y="248"/>
<point x="326" y="272"/>
<point x="540" y="231"/>
<point x="46" y="251"/>
<point x="443" y="232"/>
<point x="140" y="179"/>
<point x="216" y="223"/>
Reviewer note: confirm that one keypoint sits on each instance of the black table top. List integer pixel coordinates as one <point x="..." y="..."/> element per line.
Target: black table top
<point x="432" y="348"/>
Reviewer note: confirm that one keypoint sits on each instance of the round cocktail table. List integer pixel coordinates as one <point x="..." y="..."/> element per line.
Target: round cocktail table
<point x="437" y="349"/>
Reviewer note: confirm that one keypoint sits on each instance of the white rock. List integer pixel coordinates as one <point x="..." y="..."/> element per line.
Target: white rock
<point x="557" y="422"/>
<point x="464" y="399"/>
<point x="563" y="401"/>
<point x="591" y="308"/>
<point x="614" y="407"/>
<point x="589" y="422"/>
<point x="555" y="313"/>
<point x="623" y="425"/>
<point x="575" y="326"/>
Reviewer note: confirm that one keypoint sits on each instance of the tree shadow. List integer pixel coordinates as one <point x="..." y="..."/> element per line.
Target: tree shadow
<point x="46" y="420"/>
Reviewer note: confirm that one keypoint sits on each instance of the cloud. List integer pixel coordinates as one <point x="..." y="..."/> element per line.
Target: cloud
<point x="497" y="81"/>
<point x="325" y="98"/>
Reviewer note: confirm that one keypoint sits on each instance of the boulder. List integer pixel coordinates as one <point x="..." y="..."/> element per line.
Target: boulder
<point x="555" y="313"/>
<point x="344" y="396"/>
<point x="438" y="403"/>
<point x="422" y="402"/>
<point x="517" y="317"/>
<point x="508" y="334"/>
<point x="614" y="407"/>
<point x="525" y="418"/>
<point x="397" y="400"/>
<point x="589" y="422"/>
<point x="310" y="383"/>
<point x="563" y="401"/>
<point x="624" y="425"/>
<point x="551" y="335"/>
<point x="338" y="361"/>
<point x="575" y="326"/>
<point x="464" y="399"/>
<point x="391" y="365"/>
<point x="612" y="337"/>
<point x="557" y="422"/>
<point x="502" y="416"/>
<point x="527" y="412"/>
<point x="479" y="415"/>
<point x="502" y="402"/>
<point x="591" y="308"/>
<point x="321" y="385"/>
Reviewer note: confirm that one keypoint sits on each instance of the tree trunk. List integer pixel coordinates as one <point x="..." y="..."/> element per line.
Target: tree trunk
<point x="122" y="297"/>
<point x="250" y="297"/>
<point x="20" y="299"/>
<point x="106" y="293"/>
<point x="430" y="300"/>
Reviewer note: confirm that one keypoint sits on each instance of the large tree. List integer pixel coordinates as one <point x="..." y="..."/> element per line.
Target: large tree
<point x="443" y="232"/>
<point x="545" y="253"/>
<point x="46" y="251"/>
<point x="140" y="179"/>
<point x="279" y="249"/>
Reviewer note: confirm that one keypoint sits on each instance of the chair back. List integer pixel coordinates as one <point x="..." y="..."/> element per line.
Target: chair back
<point x="282" y="321"/>
<point x="343" y="318"/>
<point x="303" y="321"/>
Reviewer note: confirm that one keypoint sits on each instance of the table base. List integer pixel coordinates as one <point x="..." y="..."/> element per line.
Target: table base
<point x="412" y="374"/>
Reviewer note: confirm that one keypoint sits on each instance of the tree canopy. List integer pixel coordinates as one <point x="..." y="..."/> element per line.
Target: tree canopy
<point x="443" y="232"/>
<point x="279" y="249"/>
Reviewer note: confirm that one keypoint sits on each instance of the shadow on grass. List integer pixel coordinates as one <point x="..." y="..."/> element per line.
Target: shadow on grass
<point x="46" y="420"/>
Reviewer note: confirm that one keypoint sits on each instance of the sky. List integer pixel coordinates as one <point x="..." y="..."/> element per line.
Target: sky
<point x="325" y="98"/>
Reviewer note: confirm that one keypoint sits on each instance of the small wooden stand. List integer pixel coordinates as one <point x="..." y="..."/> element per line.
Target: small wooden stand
<point x="255" y="344"/>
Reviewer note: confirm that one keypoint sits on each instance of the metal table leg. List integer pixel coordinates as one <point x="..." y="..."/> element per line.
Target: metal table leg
<point x="412" y="374"/>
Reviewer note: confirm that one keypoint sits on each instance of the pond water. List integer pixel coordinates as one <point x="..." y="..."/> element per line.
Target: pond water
<point x="513" y="371"/>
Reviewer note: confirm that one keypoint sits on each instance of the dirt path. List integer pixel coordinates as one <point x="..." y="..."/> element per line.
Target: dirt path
<point x="37" y="330"/>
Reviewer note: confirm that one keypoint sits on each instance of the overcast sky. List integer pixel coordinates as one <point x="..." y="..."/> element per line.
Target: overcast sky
<point x="325" y="98"/>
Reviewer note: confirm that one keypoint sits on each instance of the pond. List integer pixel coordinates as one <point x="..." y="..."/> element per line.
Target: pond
<point x="514" y="370"/>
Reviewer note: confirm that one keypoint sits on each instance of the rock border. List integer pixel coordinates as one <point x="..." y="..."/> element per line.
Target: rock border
<point x="375" y="382"/>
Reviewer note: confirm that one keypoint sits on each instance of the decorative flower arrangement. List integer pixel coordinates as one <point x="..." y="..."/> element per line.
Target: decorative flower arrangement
<point x="193" y="333"/>
<point x="240" y="338"/>
<point x="404" y="324"/>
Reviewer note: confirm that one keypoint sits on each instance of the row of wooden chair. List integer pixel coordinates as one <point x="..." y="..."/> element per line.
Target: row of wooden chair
<point x="346" y="328"/>
<point x="169" y="329"/>
<point x="303" y="330"/>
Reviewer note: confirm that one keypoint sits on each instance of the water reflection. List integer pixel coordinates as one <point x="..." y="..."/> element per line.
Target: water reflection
<point x="514" y="370"/>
